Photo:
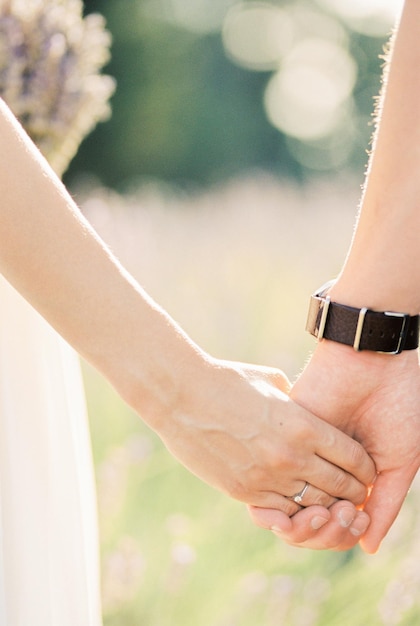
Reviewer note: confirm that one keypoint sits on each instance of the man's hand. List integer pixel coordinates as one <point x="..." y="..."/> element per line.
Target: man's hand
<point x="374" y="398"/>
<point x="337" y="528"/>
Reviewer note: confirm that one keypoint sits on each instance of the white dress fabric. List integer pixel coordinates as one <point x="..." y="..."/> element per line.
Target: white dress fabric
<point x="49" y="572"/>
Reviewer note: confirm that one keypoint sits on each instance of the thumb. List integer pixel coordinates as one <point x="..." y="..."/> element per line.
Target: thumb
<point x="385" y="501"/>
<point x="275" y="377"/>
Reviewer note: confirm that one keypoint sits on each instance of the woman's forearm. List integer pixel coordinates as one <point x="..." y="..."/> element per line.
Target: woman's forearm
<point x="382" y="270"/>
<point x="53" y="257"/>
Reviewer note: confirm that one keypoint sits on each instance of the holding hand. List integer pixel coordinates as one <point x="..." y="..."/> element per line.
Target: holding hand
<point x="238" y="430"/>
<point x="338" y="528"/>
<point x="376" y="399"/>
<point x="371" y="396"/>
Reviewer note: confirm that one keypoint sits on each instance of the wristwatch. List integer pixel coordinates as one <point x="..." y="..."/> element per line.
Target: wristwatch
<point x="364" y="329"/>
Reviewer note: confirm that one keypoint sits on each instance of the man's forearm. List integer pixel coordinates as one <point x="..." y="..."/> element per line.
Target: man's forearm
<point x="382" y="270"/>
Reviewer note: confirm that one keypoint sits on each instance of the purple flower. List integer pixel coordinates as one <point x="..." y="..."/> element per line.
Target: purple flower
<point x="51" y="59"/>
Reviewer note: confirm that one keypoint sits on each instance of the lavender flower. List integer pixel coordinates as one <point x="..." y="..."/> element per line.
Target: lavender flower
<point x="50" y="63"/>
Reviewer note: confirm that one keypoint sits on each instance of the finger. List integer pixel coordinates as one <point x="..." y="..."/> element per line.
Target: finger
<point x="330" y="482"/>
<point x="309" y="495"/>
<point x="342" y="532"/>
<point x="290" y="505"/>
<point x="384" y="504"/>
<point x="279" y="522"/>
<point x="338" y="528"/>
<point x="275" y="501"/>
<point x="346" y="453"/>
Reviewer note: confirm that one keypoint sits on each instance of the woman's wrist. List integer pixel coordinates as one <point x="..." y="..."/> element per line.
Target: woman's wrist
<point x="157" y="375"/>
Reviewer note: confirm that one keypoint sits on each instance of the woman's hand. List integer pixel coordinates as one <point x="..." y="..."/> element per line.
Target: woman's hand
<point x="236" y="428"/>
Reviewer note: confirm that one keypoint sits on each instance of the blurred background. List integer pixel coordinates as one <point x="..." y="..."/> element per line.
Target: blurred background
<point x="227" y="181"/>
<point x="211" y="89"/>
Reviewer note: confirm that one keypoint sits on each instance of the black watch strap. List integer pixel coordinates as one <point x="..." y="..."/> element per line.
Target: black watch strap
<point x="363" y="329"/>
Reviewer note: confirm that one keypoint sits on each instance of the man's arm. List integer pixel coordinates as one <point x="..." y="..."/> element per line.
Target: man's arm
<point x="376" y="397"/>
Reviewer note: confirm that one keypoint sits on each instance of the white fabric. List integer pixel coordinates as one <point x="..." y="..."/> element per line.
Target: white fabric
<point x="48" y="527"/>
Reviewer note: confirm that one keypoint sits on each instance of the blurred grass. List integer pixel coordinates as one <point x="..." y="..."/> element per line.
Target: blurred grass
<point x="235" y="267"/>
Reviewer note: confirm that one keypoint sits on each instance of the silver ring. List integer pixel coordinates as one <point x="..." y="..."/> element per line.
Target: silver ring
<point x="298" y="497"/>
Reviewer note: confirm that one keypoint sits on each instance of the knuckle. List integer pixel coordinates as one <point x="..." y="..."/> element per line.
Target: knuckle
<point x="274" y="458"/>
<point x="290" y="508"/>
<point x="357" y="455"/>
<point x="360" y="496"/>
<point x="281" y="461"/>
<point x="304" y="431"/>
<point x="323" y="499"/>
<point x="361" y="465"/>
<point x="346" y="487"/>
<point x="340" y="484"/>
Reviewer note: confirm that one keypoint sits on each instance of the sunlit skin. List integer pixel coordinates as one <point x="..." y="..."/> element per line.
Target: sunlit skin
<point x="375" y="397"/>
<point x="315" y="60"/>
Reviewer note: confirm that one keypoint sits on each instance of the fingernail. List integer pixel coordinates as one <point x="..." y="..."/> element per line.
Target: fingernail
<point x="346" y="516"/>
<point x="276" y="529"/>
<point x="318" y="521"/>
<point x="359" y="527"/>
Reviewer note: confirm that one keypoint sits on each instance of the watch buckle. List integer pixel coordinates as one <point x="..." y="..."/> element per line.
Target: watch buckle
<point x="324" y="315"/>
<point x="403" y="332"/>
<point x="321" y="295"/>
<point x="401" y="337"/>
<point x="359" y="328"/>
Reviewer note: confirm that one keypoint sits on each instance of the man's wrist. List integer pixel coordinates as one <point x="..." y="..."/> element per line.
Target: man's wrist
<point x="362" y="328"/>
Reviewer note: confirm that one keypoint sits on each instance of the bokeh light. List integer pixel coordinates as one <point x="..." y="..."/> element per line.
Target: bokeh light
<point x="327" y="153"/>
<point x="200" y="16"/>
<point x="370" y="17"/>
<point x="309" y="95"/>
<point x="256" y="35"/>
<point x="306" y="98"/>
